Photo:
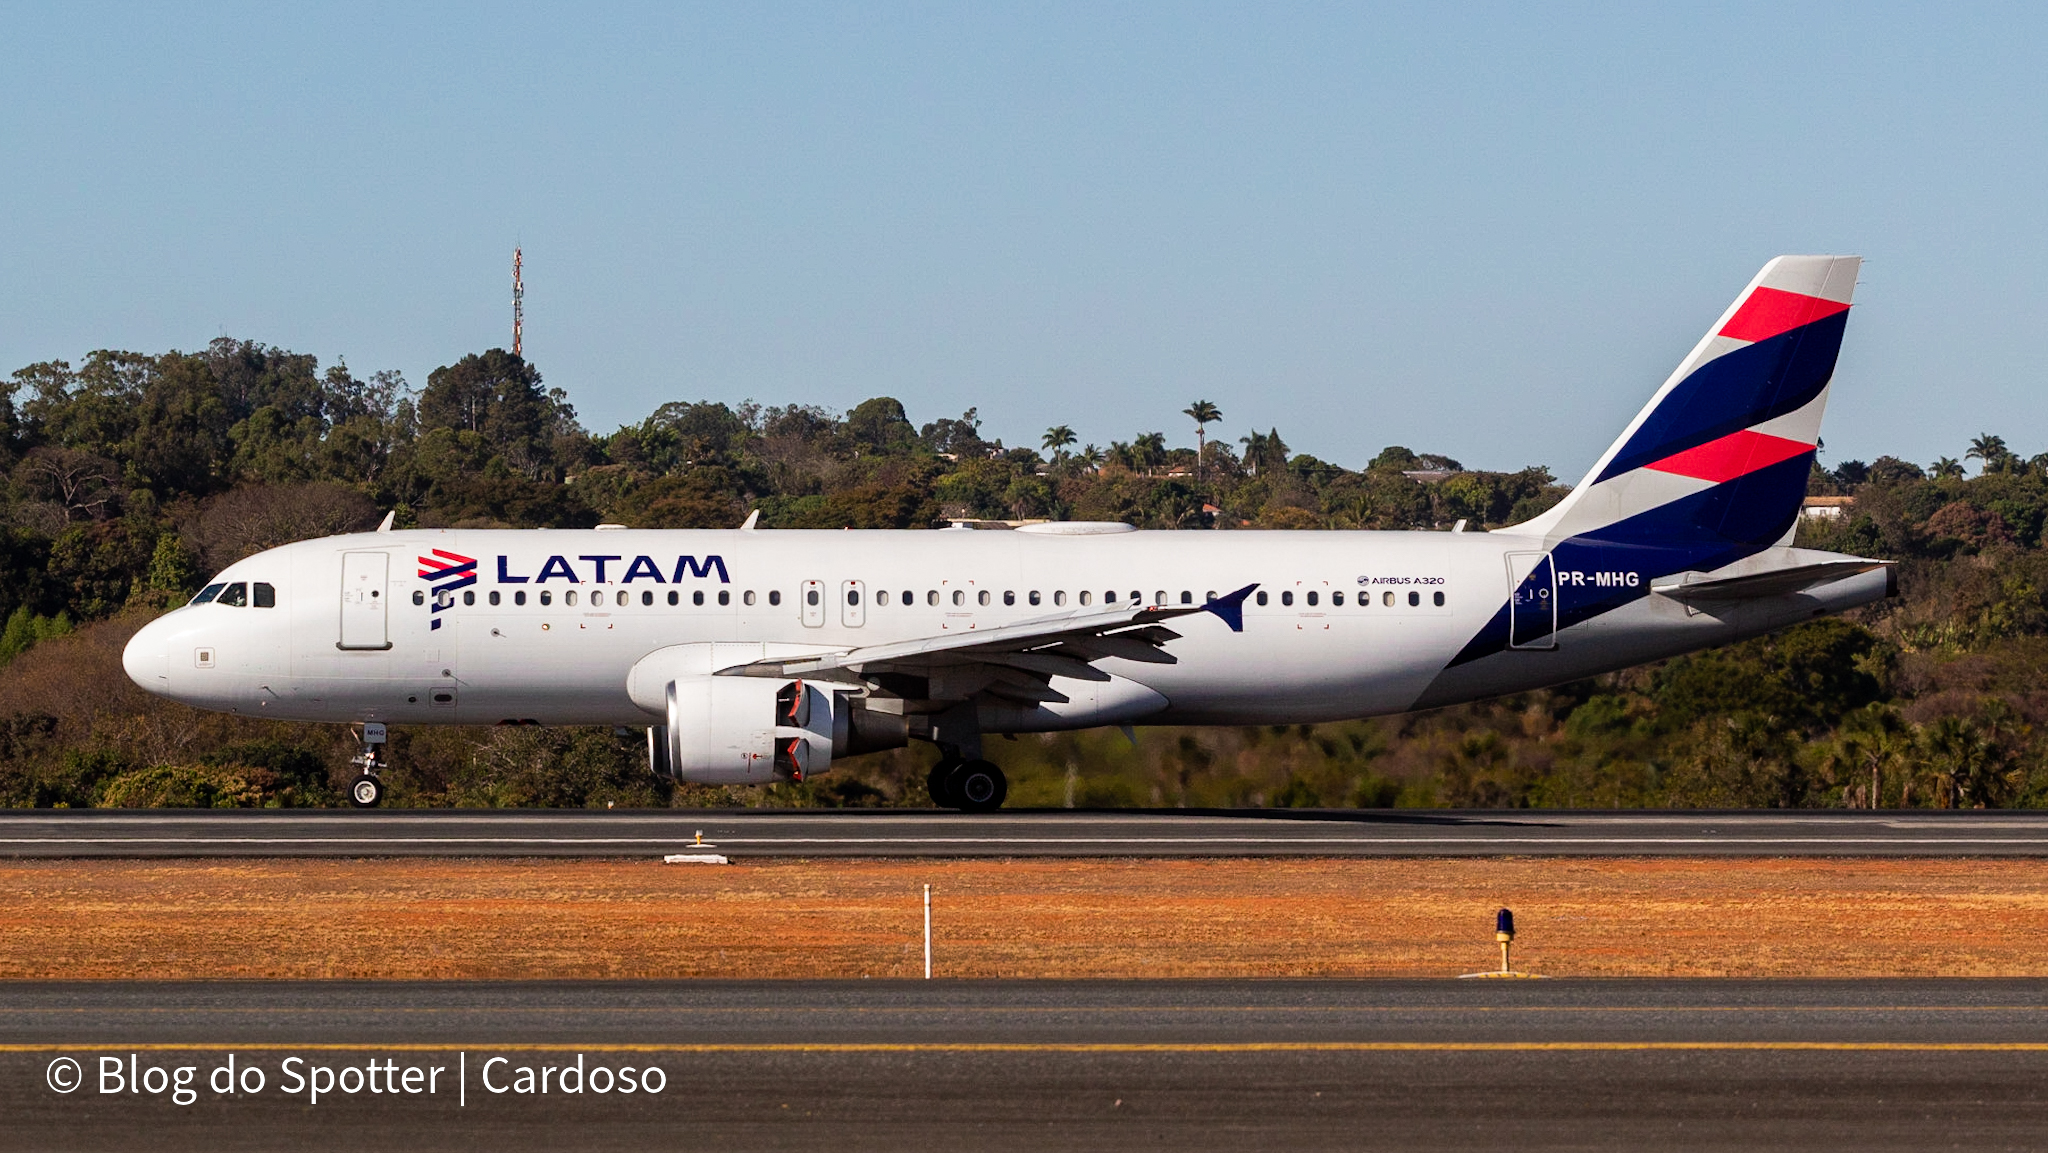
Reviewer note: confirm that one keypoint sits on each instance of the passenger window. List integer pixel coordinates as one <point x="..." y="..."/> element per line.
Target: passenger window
<point x="1087" y="597"/>
<point x="646" y="598"/>
<point x="959" y="597"/>
<point x="1136" y="595"/>
<point x="1387" y="598"/>
<point x="908" y="599"/>
<point x="1312" y="598"/>
<point x="266" y="596"/>
<point x="1186" y="597"/>
<point x="519" y="598"/>
<point x="881" y="597"/>
<point x="1059" y="598"/>
<point x="569" y="598"/>
<point x="810" y="596"/>
<point x="207" y="594"/>
<point x="264" y="599"/>
<point x="1159" y="598"/>
<point x="1009" y="596"/>
<point x="697" y="598"/>
<point x="931" y="597"/>
<point x="724" y="596"/>
<point x="747" y="597"/>
<point x="1337" y="599"/>
<point x="596" y="597"/>
<point x="1262" y="596"/>
<point x="774" y="596"/>
<point x="1414" y="599"/>
<point x="546" y="597"/>
<point x="495" y="597"/>
<point x="1287" y="598"/>
<point x="674" y="597"/>
<point x="419" y="597"/>
<point x="1208" y="596"/>
<point x="1034" y="596"/>
<point x="982" y="596"/>
<point x="1439" y="600"/>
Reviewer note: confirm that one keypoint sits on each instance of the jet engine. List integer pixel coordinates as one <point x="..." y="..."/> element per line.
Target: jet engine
<point x="746" y="730"/>
<point x="730" y="730"/>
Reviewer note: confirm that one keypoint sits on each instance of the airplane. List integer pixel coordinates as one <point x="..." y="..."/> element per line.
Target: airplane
<point x="754" y="656"/>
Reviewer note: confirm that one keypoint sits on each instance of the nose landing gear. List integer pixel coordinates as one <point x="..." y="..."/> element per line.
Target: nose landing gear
<point x="366" y="791"/>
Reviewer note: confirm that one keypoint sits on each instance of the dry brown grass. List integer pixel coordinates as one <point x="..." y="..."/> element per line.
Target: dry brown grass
<point x="1144" y="918"/>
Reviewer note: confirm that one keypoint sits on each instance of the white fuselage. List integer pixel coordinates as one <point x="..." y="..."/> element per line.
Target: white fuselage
<point x="1351" y="624"/>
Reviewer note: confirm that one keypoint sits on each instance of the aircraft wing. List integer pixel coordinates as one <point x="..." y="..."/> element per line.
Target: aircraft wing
<point x="1770" y="583"/>
<point x="1029" y="652"/>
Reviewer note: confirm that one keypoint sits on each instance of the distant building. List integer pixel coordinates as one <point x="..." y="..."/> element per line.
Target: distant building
<point x="1826" y="507"/>
<point x="1430" y="475"/>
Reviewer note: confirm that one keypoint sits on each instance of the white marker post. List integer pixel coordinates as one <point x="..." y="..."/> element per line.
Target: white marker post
<point x="927" y="932"/>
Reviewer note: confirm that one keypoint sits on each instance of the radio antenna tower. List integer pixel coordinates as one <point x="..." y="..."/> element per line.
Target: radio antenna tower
<point x="518" y="303"/>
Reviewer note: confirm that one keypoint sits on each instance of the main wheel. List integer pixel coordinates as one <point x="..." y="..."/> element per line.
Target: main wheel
<point x="977" y="787"/>
<point x="365" y="791"/>
<point x="938" y="784"/>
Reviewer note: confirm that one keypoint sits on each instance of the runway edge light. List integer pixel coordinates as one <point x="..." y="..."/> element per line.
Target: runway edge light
<point x="1504" y="934"/>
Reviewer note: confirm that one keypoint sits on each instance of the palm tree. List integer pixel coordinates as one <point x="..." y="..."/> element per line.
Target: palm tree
<point x="1253" y="444"/>
<point x="1091" y="456"/>
<point x="1989" y="449"/>
<point x="1056" y="440"/>
<point x="1201" y="412"/>
<point x="1947" y="466"/>
<point x="1870" y="740"/>
<point x="1264" y="450"/>
<point x="1151" y="449"/>
<point x="1123" y="455"/>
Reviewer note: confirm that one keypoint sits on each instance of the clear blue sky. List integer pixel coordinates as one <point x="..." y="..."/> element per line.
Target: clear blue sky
<point x="1487" y="231"/>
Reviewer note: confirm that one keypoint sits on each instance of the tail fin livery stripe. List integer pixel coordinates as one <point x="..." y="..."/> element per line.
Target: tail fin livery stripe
<point x="1746" y="386"/>
<point x="1770" y="311"/>
<point x="1703" y="532"/>
<point x="1733" y="455"/>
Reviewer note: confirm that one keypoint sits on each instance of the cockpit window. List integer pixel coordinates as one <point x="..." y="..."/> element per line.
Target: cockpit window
<point x="208" y="593"/>
<point x="266" y="595"/>
<point x="236" y="594"/>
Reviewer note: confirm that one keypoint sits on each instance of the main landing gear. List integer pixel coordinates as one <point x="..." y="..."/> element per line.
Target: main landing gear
<point x="367" y="789"/>
<point x="974" y="786"/>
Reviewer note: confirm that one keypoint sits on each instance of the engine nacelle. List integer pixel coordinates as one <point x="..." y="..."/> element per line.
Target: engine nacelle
<point x="747" y="730"/>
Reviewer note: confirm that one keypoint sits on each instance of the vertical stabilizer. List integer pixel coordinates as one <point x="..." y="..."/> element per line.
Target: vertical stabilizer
<point x="1736" y="424"/>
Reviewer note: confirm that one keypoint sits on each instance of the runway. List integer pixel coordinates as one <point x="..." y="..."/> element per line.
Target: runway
<point x="1038" y="1065"/>
<point x="759" y="833"/>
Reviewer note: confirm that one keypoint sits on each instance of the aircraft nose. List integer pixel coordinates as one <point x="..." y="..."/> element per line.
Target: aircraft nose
<point x="147" y="659"/>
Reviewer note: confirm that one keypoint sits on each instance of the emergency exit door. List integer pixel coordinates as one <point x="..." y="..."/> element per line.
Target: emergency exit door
<point x="365" y="610"/>
<point x="812" y="600"/>
<point x="853" y="603"/>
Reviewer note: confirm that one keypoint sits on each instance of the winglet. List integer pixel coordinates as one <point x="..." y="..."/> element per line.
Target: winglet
<point x="753" y="519"/>
<point x="1230" y="607"/>
<point x="389" y="517"/>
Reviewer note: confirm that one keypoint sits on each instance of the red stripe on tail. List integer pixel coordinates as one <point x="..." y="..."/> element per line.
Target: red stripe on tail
<point x="1737" y="454"/>
<point x="1770" y="311"/>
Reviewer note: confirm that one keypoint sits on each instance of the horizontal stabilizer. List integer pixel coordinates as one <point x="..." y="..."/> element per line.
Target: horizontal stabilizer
<point x="1771" y="583"/>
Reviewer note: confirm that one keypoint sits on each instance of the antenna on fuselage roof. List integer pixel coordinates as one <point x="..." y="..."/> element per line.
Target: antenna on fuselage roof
<point x="385" y="524"/>
<point x="753" y="520"/>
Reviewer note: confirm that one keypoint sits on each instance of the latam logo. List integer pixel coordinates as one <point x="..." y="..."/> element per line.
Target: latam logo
<point x="446" y="572"/>
<point x="600" y="570"/>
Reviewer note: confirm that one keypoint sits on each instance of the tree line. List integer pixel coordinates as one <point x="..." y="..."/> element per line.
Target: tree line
<point x="130" y="476"/>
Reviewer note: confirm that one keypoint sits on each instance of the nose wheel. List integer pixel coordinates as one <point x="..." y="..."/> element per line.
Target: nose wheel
<point x="365" y="792"/>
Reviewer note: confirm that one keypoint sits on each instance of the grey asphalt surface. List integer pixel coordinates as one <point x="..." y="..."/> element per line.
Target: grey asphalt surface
<point x="1058" y="833"/>
<point x="1051" y="1065"/>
